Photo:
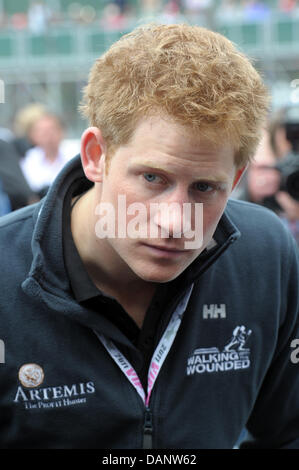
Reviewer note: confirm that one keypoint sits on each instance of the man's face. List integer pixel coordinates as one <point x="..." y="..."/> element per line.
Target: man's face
<point x="165" y="164"/>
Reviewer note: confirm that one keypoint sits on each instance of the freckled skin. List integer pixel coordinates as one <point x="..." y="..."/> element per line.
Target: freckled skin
<point x="163" y="163"/>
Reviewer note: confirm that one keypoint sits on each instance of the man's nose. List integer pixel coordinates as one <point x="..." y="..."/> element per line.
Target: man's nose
<point x="173" y="217"/>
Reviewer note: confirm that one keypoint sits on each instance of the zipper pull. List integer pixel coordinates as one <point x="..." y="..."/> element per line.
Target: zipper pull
<point x="148" y="430"/>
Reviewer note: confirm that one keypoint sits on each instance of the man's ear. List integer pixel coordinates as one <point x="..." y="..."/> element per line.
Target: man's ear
<point x="239" y="173"/>
<point x="93" y="151"/>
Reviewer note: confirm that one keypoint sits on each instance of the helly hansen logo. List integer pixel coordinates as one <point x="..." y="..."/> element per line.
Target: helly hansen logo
<point x="213" y="311"/>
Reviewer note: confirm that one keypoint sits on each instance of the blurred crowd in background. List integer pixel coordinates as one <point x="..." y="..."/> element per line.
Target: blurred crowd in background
<point x="36" y="146"/>
<point x="272" y="178"/>
<point x="31" y="155"/>
<point x="122" y="14"/>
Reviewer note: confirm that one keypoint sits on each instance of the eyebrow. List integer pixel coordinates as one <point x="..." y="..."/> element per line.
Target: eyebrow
<point x="149" y="166"/>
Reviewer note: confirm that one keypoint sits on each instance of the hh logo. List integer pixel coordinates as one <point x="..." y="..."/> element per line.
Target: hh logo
<point x="213" y="311"/>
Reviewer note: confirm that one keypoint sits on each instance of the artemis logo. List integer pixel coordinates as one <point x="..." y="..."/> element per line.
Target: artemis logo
<point x="55" y="397"/>
<point x="295" y="353"/>
<point x="2" y="352"/>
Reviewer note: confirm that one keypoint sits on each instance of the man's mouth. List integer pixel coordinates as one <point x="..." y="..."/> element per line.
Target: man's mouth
<point x="164" y="251"/>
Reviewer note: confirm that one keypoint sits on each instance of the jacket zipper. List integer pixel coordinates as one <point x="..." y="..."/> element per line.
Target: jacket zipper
<point x="148" y="430"/>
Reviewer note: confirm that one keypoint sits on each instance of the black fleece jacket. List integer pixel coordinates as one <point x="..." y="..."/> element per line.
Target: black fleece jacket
<point x="229" y="365"/>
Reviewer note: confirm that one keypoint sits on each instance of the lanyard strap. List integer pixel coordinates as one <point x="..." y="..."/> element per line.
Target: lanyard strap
<point x="159" y="356"/>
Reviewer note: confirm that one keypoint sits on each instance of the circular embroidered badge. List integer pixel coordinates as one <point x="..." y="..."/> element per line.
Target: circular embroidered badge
<point x="31" y="375"/>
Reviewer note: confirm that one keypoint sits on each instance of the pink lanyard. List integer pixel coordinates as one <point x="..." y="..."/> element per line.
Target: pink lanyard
<point x="159" y="356"/>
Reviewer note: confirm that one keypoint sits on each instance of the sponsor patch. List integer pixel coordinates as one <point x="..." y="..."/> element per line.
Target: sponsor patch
<point x="34" y="397"/>
<point x="232" y="357"/>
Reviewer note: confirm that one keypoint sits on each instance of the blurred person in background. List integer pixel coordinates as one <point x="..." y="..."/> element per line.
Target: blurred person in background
<point x="264" y="181"/>
<point x="258" y="182"/>
<point x="13" y="181"/>
<point x="122" y="4"/>
<point x="288" y="6"/>
<point x="39" y="16"/>
<point x="113" y="18"/>
<point x="256" y="10"/>
<point x="13" y="146"/>
<point x="229" y="11"/>
<point x="284" y="141"/>
<point x="23" y="122"/>
<point x="200" y="12"/>
<point x="171" y="13"/>
<point x="42" y="163"/>
<point x="150" y="7"/>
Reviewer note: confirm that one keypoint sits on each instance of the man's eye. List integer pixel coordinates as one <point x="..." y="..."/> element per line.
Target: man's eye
<point x="152" y="178"/>
<point x="203" y="187"/>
